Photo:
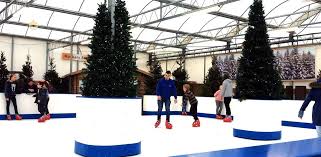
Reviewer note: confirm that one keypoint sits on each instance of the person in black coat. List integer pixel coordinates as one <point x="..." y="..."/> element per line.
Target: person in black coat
<point x="314" y="95"/>
<point x="42" y="99"/>
<point x="10" y="94"/>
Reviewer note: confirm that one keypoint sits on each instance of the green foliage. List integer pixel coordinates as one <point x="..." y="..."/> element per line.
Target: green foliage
<point x="27" y="71"/>
<point x="213" y="80"/>
<point x="156" y="70"/>
<point x="52" y="76"/>
<point x="3" y="71"/>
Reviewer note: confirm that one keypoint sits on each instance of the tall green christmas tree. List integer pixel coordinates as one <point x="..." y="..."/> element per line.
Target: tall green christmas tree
<point x="3" y="71"/>
<point x="27" y="71"/>
<point x="257" y="76"/>
<point x="213" y="80"/>
<point x="125" y="64"/>
<point x="319" y="75"/>
<point x="180" y="75"/>
<point x="52" y="76"/>
<point x="100" y="77"/>
<point x="155" y="69"/>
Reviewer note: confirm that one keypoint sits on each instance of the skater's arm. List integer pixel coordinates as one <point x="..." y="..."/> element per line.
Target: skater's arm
<point x="306" y="102"/>
<point x="216" y="93"/>
<point x="223" y="88"/>
<point x="158" y="89"/>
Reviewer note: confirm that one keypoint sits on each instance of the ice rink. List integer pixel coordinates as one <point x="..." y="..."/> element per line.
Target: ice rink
<point x="55" y="138"/>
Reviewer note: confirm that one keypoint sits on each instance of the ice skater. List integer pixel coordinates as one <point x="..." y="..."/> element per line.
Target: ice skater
<point x="314" y="95"/>
<point x="42" y="99"/>
<point x="189" y="96"/>
<point x="164" y="90"/>
<point x="227" y="93"/>
<point x="219" y="103"/>
<point x="10" y="94"/>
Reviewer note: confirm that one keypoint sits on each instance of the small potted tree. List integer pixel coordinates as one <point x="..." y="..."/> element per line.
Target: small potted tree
<point x="108" y="113"/>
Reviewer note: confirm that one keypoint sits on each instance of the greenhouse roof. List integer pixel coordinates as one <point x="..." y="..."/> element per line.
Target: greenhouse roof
<point x="163" y="27"/>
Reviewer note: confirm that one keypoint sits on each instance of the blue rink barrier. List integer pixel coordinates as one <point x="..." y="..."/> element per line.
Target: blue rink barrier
<point x="302" y="148"/>
<point x="36" y="116"/>
<point x="107" y="151"/>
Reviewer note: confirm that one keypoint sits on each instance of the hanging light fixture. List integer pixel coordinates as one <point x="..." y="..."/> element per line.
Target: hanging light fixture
<point x="33" y="24"/>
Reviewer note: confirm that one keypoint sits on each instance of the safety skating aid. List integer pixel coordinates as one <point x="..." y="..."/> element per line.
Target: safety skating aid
<point x="157" y="123"/>
<point x="18" y="117"/>
<point x="228" y="119"/>
<point x="168" y="125"/>
<point x="196" y="123"/>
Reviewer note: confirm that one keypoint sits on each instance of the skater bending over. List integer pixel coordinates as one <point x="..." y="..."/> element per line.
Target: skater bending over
<point x="314" y="95"/>
<point x="164" y="90"/>
<point x="42" y="99"/>
<point x="189" y="96"/>
<point x="10" y="94"/>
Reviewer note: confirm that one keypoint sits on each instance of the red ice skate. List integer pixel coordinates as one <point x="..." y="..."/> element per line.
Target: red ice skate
<point x="219" y="117"/>
<point x="8" y="117"/>
<point x="42" y="119"/>
<point x="184" y="113"/>
<point x="196" y="123"/>
<point x="47" y="117"/>
<point x="168" y="125"/>
<point x="18" y="117"/>
<point x="228" y="119"/>
<point x="157" y="123"/>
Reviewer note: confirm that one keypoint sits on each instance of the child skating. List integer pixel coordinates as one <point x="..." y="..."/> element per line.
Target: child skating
<point x="10" y="94"/>
<point x="189" y="96"/>
<point x="219" y="103"/>
<point x="42" y="98"/>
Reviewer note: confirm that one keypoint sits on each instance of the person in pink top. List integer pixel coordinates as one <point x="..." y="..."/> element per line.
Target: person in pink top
<point x="219" y="103"/>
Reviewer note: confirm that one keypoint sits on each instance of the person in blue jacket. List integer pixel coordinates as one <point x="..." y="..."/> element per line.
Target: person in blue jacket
<point x="10" y="90"/>
<point x="164" y="90"/>
<point x="314" y="95"/>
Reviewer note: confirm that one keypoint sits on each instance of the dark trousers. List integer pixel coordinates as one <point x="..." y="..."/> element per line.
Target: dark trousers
<point x="43" y="108"/>
<point x="193" y="111"/>
<point x="227" y="101"/>
<point x="14" y="102"/>
<point x="160" y="108"/>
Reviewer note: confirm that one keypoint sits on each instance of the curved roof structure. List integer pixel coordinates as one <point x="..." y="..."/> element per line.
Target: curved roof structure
<point x="163" y="27"/>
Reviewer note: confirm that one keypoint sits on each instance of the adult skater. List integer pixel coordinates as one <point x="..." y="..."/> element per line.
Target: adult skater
<point x="10" y="94"/>
<point x="164" y="90"/>
<point x="227" y="93"/>
<point x="315" y="95"/>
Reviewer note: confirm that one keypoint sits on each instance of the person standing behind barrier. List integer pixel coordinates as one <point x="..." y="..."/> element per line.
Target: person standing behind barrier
<point x="10" y="94"/>
<point x="227" y="93"/>
<point x="164" y="90"/>
<point x="314" y="95"/>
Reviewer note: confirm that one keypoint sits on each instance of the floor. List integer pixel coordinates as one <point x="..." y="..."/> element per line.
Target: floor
<point x="56" y="137"/>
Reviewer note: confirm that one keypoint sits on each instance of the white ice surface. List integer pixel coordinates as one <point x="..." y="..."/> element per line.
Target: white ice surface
<point x="55" y="138"/>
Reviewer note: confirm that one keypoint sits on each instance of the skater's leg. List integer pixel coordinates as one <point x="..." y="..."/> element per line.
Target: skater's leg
<point x="14" y="102"/>
<point x="194" y="111"/>
<point x="217" y="108"/>
<point x="167" y="107"/>
<point x="46" y="107"/>
<point x="227" y="101"/>
<point x="8" y="106"/>
<point x="220" y="106"/>
<point x="318" y="128"/>
<point x="160" y="109"/>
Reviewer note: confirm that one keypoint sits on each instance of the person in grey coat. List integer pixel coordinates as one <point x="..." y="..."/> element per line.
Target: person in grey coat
<point x="227" y="93"/>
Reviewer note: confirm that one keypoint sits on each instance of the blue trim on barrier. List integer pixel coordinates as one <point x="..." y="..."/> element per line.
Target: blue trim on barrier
<point x="298" y="124"/>
<point x="310" y="147"/>
<point x="254" y="135"/>
<point x="204" y="115"/>
<point x="86" y="97"/>
<point x="36" y="116"/>
<point x="107" y="151"/>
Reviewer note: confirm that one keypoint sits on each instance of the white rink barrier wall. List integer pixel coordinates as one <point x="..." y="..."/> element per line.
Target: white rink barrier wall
<point x="60" y="106"/>
<point x="106" y="132"/>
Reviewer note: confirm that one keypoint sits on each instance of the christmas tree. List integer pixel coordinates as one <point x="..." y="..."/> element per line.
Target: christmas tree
<point x="213" y="80"/>
<point x="180" y="75"/>
<point x="99" y="75"/>
<point x="155" y="69"/>
<point x="3" y="71"/>
<point x="319" y="76"/>
<point x="27" y="71"/>
<point x="257" y="75"/>
<point x="52" y="76"/>
<point x="125" y="64"/>
<point x="111" y="66"/>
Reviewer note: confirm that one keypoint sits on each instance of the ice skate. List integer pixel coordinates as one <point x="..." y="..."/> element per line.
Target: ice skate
<point x="168" y="125"/>
<point x="18" y="117"/>
<point x="157" y="123"/>
<point x="196" y="123"/>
